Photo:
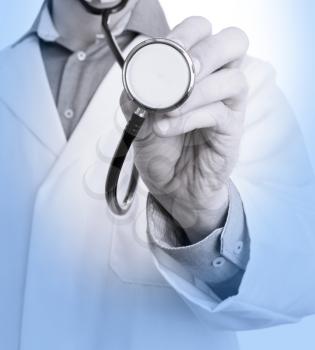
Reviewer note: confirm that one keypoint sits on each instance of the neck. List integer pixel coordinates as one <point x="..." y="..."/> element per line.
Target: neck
<point x="76" y="25"/>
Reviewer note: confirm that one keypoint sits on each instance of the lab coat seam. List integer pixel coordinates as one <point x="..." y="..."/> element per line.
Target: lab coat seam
<point x="137" y="283"/>
<point x="275" y="314"/>
<point x="223" y="305"/>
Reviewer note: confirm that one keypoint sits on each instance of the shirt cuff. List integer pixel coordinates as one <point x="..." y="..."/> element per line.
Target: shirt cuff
<point x="219" y="260"/>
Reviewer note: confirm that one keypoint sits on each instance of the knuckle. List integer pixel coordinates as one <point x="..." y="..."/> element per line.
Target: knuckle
<point x="238" y="80"/>
<point x="203" y="51"/>
<point x="199" y="23"/>
<point x="239" y="36"/>
<point x="228" y="115"/>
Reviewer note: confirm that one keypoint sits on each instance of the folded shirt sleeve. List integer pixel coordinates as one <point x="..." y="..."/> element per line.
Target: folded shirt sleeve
<point x="218" y="260"/>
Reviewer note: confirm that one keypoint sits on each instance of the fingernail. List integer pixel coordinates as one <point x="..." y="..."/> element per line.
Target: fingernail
<point x="197" y="65"/>
<point x="163" y="126"/>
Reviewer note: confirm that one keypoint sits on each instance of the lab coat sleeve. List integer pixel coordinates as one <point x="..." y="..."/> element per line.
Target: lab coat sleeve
<point x="276" y="183"/>
<point x="219" y="259"/>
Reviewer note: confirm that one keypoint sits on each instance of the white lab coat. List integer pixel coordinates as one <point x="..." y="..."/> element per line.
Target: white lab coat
<point x="74" y="277"/>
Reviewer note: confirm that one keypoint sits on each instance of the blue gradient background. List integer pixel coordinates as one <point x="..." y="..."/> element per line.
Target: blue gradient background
<point x="282" y="32"/>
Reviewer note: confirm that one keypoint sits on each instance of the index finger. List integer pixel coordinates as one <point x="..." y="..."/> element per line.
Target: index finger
<point x="189" y="32"/>
<point x="219" y="50"/>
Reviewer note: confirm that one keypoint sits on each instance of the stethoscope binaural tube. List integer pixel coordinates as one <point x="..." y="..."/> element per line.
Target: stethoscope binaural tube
<point x="99" y="7"/>
<point x="158" y="76"/>
<point x="106" y="9"/>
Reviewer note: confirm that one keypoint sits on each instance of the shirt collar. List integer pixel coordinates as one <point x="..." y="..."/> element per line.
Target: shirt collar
<point x="147" y="18"/>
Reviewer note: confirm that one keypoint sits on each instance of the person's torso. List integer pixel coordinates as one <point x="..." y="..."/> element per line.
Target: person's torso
<point x="75" y="276"/>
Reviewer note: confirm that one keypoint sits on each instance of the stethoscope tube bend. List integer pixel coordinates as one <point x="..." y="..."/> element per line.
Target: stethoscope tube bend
<point x="111" y="187"/>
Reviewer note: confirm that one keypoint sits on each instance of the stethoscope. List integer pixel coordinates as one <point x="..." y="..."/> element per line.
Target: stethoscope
<point x="158" y="76"/>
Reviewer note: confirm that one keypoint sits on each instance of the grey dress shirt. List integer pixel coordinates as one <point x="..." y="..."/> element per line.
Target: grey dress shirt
<point x="67" y="69"/>
<point x="220" y="259"/>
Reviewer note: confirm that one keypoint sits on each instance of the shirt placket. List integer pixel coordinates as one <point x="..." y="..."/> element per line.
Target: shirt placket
<point x="70" y="80"/>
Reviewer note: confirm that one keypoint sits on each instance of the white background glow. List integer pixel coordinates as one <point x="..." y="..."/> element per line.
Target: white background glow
<point x="280" y="32"/>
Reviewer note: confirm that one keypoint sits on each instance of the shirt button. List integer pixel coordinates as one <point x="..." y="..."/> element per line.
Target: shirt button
<point x="100" y="36"/>
<point x="68" y="113"/>
<point x="238" y="248"/>
<point x="218" y="262"/>
<point x="81" y="56"/>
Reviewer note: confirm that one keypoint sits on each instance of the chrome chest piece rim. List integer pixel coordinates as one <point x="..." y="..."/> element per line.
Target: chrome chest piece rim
<point x="99" y="8"/>
<point x="187" y="59"/>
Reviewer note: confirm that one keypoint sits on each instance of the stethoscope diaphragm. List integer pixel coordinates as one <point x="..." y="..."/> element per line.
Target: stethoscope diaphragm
<point x="158" y="75"/>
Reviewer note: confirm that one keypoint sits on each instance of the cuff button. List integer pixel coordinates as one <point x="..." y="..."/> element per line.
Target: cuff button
<point x="238" y="248"/>
<point x="218" y="262"/>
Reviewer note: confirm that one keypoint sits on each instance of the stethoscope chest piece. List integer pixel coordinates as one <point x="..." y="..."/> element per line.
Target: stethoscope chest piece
<point x="158" y="75"/>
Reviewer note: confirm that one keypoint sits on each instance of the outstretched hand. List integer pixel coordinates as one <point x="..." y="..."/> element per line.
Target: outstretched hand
<point x="186" y="157"/>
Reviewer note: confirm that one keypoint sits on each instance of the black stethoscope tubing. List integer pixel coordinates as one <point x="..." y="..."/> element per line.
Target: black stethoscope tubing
<point x="130" y="131"/>
<point x="137" y="119"/>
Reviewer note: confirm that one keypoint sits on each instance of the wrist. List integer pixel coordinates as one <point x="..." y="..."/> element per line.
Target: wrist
<point x="202" y="216"/>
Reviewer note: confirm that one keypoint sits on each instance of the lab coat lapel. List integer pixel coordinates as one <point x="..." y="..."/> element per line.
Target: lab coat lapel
<point x="98" y="117"/>
<point x="35" y="108"/>
<point x="51" y="242"/>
